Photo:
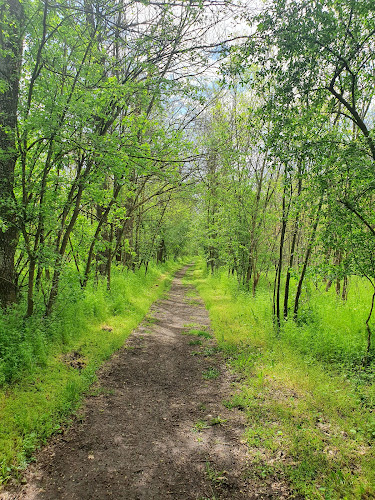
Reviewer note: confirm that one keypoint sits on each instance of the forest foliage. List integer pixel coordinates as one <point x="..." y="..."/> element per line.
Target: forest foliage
<point x="134" y="132"/>
<point x="140" y="131"/>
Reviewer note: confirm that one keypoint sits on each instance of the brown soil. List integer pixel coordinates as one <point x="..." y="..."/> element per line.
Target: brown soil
<point x="156" y="428"/>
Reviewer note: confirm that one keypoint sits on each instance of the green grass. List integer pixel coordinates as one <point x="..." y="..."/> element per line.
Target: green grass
<point x="200" y="425"/>
<point x="308" y="401"/>
<point x="210" y="373"/>
<point x="195" y="342"/>
<point x="217" y="420"/>
<point x="214" y="475"/>
<point x="42" y="396"/>
<point x="197" y="330"/>
<point x="200" y="333"/>
<point x="329" y="328"/>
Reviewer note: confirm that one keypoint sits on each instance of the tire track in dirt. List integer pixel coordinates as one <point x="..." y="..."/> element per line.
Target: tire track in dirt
<point x="157" y="428"/>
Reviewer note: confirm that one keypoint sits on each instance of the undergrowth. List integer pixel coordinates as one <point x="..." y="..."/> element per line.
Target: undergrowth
<point x="47" y="365"/>
<point x="308" y="398"/>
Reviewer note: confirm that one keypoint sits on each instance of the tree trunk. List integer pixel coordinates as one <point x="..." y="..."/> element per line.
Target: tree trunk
<point x="345" y="283"/>
<point x="252" y="262"/>
<point x="110" y="257"/>
<point x="338" y="259"/>
<point x="292" y="250"/>
<point x="160" y="254"/>
<point x="280" y="262"/>
<point x="11" y="15"/>
<point x="338" y="287"/>
<point x="127" y="236"/>
<point x="61" y="252"/>
<point x="307" y="257"/>
<point x="30" y="288"/>
<point x="95" y="238"/>
<point x="102" y="254"/>
<point x="255" y="281"/>
<point x="329" y="284"/>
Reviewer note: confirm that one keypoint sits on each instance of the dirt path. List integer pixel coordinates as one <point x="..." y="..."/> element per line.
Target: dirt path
<point x="157" y="428"/>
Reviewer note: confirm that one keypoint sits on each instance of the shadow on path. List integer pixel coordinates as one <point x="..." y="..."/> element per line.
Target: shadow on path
<point x="157" y="428"/>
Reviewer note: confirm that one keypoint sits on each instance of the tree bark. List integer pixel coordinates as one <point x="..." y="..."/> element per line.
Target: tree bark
<point x="11" y="16"/>
<point x="292" y="251"/>
<point x="280" y="262"/>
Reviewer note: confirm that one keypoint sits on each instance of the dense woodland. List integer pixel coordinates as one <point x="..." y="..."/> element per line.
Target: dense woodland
<point x="120" y="146"/>
<point x="141" y="131"/>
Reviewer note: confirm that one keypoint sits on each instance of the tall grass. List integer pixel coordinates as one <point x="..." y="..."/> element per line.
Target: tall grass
<point x="328" y="329"/>
<point x="42" y="379"/>
<point x="307" y="395"/>
<point x="26" y="342"/>
<point x="331" y="329"/>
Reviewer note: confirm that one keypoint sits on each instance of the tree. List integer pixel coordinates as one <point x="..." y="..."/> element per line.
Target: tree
<point x="11" y="40"/>
<point x="321" y="55"/>
<point x="95" y="79"/>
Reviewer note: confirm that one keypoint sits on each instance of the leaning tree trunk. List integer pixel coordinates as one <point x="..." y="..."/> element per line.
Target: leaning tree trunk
<point x="306" y="260"/>
<point x="11" y="14"/>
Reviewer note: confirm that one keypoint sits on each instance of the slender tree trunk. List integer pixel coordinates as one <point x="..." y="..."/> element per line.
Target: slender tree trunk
<point x="338" y="287"/>
<point x="39" y="272"/>
<point x="280" y="262"/>
<point x="101" y="256"/>
<point x="292" y="250"/>
<point x="137" y="239"/>
<point x="99" y="227"/>
<point x="253" y="230"/>
<point x="338" y="260"/>
<point x="255" y="281"/>
<point x="127" y="236"/>
<point x="307" y="257"/>
<point x="30" y="288"/>
<point x="212" y="210"/>
<point x="11" y="16"/>
<point x="250" y="267"/>
<point x="160" y="254"/>
<point x="110" y="256"/>
<point x="274" y="294"/>
<point x="61" y="252"/>
<point x="369" y="333"/>
<point x="344" y="295"/>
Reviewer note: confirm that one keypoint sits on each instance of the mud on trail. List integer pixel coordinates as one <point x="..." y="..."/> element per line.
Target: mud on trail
<point x="156" y="427"/>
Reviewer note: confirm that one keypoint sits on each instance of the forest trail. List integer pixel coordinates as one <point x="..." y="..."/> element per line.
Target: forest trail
<point x="155" y="426"/>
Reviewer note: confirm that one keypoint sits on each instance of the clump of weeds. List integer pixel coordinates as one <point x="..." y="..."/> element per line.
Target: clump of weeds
<point x="217" y="420"/>
<point x="201" y="333"/>
<point x="195" y="342"/>
<point x="210" y="373"/>
<point x="216" y="476"/>
<point x="200" y="425"/>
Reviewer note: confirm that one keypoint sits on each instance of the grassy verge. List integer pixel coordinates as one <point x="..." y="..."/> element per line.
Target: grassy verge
<point x="90" y="328"/>
<point x="310" y="420"/>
